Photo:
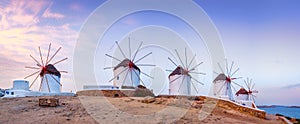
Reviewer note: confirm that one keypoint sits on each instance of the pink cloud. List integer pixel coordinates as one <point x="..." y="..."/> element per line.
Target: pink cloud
<point x="49" y="14"/>
<point x="130" y="21"/>
<point x="75" y="7"/>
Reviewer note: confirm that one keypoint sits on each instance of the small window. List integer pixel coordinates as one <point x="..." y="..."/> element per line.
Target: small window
<point x="118" y="77"/>
<point x="12" y="93"/>
<point x="7" y="92"/>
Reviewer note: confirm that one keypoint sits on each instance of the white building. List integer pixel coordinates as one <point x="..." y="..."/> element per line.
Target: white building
<point x="243" y="97"/>
<point x="21" y="89"/>
<point x="179" y="82"/>
<point x="129" y="78"/>
<point x="222" y="87"/>
<point x="50" y="80"/>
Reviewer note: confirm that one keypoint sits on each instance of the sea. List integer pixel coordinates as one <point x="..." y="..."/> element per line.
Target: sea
<point x="286" y="111"/>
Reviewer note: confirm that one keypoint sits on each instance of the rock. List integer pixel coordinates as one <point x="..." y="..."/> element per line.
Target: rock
<point x="148" y="99"/>
<point x="128" y="100"/>
<point x="49" y="102"/>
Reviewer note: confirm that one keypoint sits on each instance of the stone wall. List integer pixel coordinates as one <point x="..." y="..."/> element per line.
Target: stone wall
<point x="242" y="109"/>
<point x="107" y="93"/>
<point x="116" y="93"/>
<point x="229" y="105"/>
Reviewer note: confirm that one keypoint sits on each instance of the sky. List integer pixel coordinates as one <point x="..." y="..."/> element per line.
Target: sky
<point x="262" y="37"/>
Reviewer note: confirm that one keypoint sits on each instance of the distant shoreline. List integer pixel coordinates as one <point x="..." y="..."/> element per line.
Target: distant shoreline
<point x="274" y="106"/>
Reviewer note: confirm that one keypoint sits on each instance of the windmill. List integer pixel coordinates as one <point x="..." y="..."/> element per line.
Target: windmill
<point x="247" y="94"/>
<point x="223" y="83"/>
<point x="127" y="73"/>
<point x="50" y="76"/>
<point x="181" y="78"/>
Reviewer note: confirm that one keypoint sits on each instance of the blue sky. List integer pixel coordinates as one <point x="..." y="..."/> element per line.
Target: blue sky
<point x="262" y="37"/>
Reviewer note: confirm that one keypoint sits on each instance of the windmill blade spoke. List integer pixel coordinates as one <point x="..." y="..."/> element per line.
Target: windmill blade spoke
<point x="221" y="88"/>
<point x="236" y="78"/>
<point x="216" y="73"/>
<point x="143" y="57"/>
<point x="48" y="53"/>
<point x="32" y="74"/>
<point x="196" y="66"/>
<point x="246" y="84"/>
<point x="145" y="65"/>
<point x="113" y="57"/>
<point x="33" y="81"/>
<point x="173" y="62"/>
<point x="255" y="91"/>
<point x="198" y="73"/>
<point x="131" y="78"/>
<point x="234" y="89"/>
<point x="63" y="71"/>
<point x="252" y="86"/>
<point x="179" y="58"/>
<point x="139" y="78"/>
<point x="231" y="68"/>
<point x="186" y="64"/>
<point x="118" y="74"/>
<point x="108" y="68"/>
<point x="253" y="98"/>
<point x="53" y="55"/>
<point x="175" y="79"/>
<point x="235" y="72"/>
<point x="194" y="87"/>
<point x="146" y="75"/>
<point x="197" y="81"/>
<point x="41" y="56"/>
<point x="38" y="64"/>
<point x="169" y="70"/>
<point x="41" y="83"/>
<point x="181" y="83"/>
<point x="248" y="80"/>
<point x="221" y="68"/>
<point x="236" y="84"/>
<point x="138" y="49"/>
<point x="227" y="70"/>
<point x="126" y="78"/>
<point x="55" y="80"/>
<point x="32" y="67"/>
<point x="129" y="48"/>
<point x="120" y="49"/>
<point x="47" y="84"/>
<point x="191" y="61"/>
<point x="60" y="61"/>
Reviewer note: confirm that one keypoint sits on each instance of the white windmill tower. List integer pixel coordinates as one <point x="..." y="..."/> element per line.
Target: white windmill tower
<point x="50" y="76"/>
<point x="223" y="83"/>
<point x="247" y="94"/>
<point x="127" y="73"/>
<point x="181" y="79"/>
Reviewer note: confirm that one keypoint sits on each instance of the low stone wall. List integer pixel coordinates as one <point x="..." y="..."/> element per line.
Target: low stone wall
<point x="116" y="93"/>
<point x="242" y="109"/>
<point x="223" y="104"/>
<point x="106" y="93"/>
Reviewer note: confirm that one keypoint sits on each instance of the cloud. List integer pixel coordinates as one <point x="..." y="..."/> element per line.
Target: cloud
<point x="292" y="86"/>
<point x="278" y="96"/>
<point x="75" y="7"/>
<point x="130" y="21"/>
<point x="49" y="14"/>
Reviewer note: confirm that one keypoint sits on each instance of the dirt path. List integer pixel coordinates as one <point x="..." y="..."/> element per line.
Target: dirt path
<point x="90" y="110"/>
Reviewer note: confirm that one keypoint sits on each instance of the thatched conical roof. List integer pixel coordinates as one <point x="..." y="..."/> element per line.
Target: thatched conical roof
<point x="242" y="91"/>
<point x="50" y="69"/>
<point x="125" y="63"/>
